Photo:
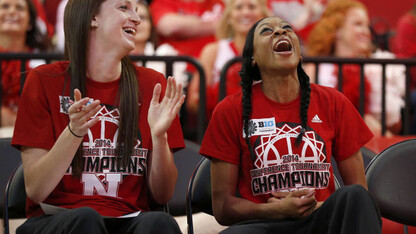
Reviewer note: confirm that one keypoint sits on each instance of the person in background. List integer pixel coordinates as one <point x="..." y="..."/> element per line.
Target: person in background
<point x="343" y="31"/>
<point x="187" y="25"/>
<point x="301" y="14"/>
<point x="405" y="47"/>
<point x="19" y="33"/>
<point x="146" y="43"/>
<point x="272" y="144"/>
<point x="97" y="133"/>
<point x="236" y="21"/>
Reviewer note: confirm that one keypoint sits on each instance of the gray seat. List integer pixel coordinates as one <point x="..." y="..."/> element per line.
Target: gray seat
<point x="391" y="181"/>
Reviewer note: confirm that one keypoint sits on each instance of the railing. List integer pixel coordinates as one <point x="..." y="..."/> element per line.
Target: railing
<point x="408" y="63"/>
<point x="168" y="60"/>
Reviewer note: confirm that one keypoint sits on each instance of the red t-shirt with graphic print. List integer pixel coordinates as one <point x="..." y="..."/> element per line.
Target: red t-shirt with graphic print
<point x="334" y="129"/>
<point x="103" y="185"/>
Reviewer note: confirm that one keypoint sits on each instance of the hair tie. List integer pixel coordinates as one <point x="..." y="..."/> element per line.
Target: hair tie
<point x="74" y="133"/>
<point x="302" y="131"/>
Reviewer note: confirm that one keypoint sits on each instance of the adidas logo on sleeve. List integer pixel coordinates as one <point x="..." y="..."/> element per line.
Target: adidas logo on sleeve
<point x="316" y="119"/>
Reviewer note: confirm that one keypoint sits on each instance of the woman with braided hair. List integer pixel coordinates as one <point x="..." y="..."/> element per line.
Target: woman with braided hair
<point x="272" y="144"/>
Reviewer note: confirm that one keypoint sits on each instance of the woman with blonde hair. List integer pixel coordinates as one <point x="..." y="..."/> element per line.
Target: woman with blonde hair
<point x="344" y="31"/>
<point x="237" y="18"/>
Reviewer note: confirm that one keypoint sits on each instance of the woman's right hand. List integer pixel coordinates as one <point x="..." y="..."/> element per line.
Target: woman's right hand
<point x="295" y="204"/>
<point x="80" y="113"/>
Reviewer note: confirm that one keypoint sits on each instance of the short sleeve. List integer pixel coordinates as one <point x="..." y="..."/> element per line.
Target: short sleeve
<point x="222" y="137"/>
<point x="34" y="124"/>
<point x="351" y="131"/>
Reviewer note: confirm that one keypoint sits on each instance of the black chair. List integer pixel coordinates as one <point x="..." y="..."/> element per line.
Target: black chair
<point x="15" y="198"/>
<point x="198" y="198"/>
<point x="186" y="160"/>
<point x="391" y="181"/>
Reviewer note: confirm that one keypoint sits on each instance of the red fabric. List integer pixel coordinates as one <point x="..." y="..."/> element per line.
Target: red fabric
<point x="405" y="41"/>
<point x="351" y="85"/>
<point x="102" y="186"/>
<point x="10" y="81"/>
<point x="190" y="46"/>
<point x="42" y="15"/>
<point x="332" y="121"/>
<point x="232" y="86"/>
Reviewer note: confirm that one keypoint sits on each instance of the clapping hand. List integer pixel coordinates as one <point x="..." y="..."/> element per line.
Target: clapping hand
<point x="161" y="114"/>
<point x="80" y="113"/>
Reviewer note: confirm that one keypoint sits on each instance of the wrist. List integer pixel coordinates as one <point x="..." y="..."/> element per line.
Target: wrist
<point x="73" y="133"/>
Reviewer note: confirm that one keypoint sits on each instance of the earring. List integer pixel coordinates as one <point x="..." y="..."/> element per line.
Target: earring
<point x="94" y="24"/>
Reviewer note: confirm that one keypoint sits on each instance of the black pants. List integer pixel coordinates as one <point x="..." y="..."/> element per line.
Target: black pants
<point x="349" y="210"/>
<point x="87" y="220"/>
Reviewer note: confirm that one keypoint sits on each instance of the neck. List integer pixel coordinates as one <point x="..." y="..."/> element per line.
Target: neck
<point x="282" y="88"/>
<point x="344" y="51"/>
<point x="239" y="41"/>
<point x="13" y="43"/>
<point x="102" y="66"/>
<point x="139" y="49"/>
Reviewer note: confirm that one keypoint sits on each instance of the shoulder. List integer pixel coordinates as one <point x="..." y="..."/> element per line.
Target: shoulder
<point x="52" y="68"/>
<point x="148" y="77"/>
<point x="323" y="92"/>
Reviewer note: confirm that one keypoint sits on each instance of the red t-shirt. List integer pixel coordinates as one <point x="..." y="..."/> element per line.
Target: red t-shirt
<point x="102" y="185"/>
<point x="186" y="46"/>
<point x="334" y="129"/>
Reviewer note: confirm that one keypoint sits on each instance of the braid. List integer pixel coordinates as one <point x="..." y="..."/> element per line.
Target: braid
<point x="249" y="72"/>
<point x="305" y="90"/>
<point x="246" y="84"/>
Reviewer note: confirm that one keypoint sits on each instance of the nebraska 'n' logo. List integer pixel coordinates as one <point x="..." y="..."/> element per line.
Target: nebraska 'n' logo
<point x="105" y="184"/>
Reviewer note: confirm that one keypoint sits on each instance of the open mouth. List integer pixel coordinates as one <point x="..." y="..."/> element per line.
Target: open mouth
<point x="282" y="45"/>
<point x="130" y="31"/>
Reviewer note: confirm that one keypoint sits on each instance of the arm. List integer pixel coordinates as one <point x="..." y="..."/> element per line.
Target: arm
<point x="185" y="26"/>
<point x="162" y="169"/>
<point x="229" y="209"/>
<point x="352" y="170"/>
<point x="39" y="164"/>
<point x="207" y="60"/>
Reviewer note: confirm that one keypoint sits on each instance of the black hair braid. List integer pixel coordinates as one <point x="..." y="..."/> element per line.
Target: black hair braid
<point x="246" y="84"/>
<point x="305" y="90"/>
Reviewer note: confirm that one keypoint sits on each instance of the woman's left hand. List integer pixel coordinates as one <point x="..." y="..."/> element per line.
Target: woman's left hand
<point x="161" y="114"/>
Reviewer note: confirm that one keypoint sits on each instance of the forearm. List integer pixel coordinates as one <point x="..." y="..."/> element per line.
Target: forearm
<point x="235" y="209"/>
<point x="185" y="26"/>
<point x="42" y="171"/>
<point x="162" y="171"/>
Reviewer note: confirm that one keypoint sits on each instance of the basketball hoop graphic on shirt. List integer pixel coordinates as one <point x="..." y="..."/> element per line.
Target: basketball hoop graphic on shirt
<point x="279" y="165"/>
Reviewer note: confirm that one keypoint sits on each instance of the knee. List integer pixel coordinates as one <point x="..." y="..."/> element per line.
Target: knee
<point x="86" y="219"/>
<point x="355" y="193"/>
<point x="160" y="218"/>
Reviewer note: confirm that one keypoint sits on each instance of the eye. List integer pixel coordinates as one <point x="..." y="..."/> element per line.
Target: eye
<point x="288" y="27"/>
<point x="124" y="7"/>
<point x="266" y="30"/>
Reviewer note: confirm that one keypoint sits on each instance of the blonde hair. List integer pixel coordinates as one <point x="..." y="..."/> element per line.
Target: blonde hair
<point x="224" y="29"/>
<point x="321" y="40"/>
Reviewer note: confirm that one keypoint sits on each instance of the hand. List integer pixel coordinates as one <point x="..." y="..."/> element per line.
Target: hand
<point x="80" y="113"/>
<point x="296" y="204"/>
<point x="162" y="114"/>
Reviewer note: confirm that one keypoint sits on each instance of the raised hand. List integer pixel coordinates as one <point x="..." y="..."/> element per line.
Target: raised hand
<point x="80" y="113"/>
<point x="161" y="114"/>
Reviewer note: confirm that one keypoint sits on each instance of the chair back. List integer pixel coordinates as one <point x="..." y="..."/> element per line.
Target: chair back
<point x="391" y="181"/>
<point x="15" y="197"/>
<point x="198" y="196"/>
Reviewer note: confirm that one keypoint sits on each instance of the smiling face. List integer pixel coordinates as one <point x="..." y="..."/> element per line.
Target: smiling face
<point x="244" y="14"/>
<point x="355" y="32"/>
<point x="14" y="17"/>
<point x="276" y="45"/>
<point x="117" y="22"/>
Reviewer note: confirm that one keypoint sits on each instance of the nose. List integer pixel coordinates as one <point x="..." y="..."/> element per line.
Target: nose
<point x="280" y="31"/>
<point x="135" y="18"/>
